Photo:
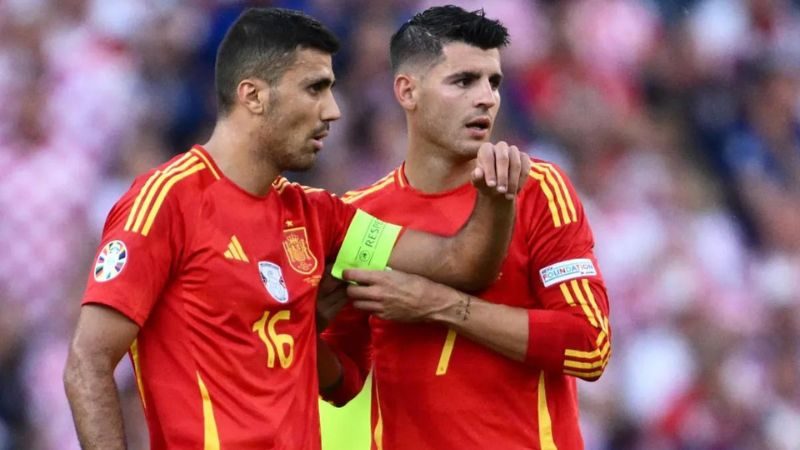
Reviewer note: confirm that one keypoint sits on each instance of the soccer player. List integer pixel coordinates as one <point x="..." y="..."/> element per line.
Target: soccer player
<point x="209" y="265"/>
<point x="453" y="370"/>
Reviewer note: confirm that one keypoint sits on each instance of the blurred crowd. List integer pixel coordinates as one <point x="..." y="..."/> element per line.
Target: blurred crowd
<point x="678" y="121"/>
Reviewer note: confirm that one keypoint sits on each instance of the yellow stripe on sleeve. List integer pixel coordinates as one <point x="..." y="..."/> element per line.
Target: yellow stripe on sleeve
<point x="557" y="189"/>
<point x="566" y="293"/>
<point x="574" y="373"/>
<point x="590" y="296"/>
<point x="163" y="194"/>
<point x="547" y="193"/>
<point x="596" y="353"/>
<point x="210" y="433"/>
<point x="583" y="365"/>
<point x="564" y="189"/>
<point x="584" y="305"/>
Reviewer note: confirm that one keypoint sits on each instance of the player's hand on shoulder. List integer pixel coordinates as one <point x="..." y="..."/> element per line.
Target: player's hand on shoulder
<point x="501" y="169"/>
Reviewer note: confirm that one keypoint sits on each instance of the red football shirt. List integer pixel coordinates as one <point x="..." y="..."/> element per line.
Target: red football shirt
<point x="223" y="285"/>
<point x="433" y="389"/>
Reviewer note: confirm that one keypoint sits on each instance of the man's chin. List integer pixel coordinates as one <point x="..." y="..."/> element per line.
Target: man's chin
<point x="302" y="165"/>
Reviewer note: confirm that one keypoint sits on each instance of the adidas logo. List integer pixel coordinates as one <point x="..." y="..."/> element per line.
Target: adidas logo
<point x="235" y="251"/>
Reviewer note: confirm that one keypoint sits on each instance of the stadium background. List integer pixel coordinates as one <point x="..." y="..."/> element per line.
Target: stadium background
<point x="676" y="119"/>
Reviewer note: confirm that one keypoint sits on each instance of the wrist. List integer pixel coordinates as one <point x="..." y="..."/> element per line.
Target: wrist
<point x="455" y="307"/>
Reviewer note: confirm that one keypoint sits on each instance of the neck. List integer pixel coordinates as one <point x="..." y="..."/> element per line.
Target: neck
<point x="237" y="154"/>
<point x="431" y="168"/>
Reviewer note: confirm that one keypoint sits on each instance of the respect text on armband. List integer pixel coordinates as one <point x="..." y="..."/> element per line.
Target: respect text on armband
<point x="370" y="240"/>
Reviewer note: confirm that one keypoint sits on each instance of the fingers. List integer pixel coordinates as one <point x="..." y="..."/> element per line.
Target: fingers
<point x="369" y="306"/>
<point x="486" y="164"/>
<point x="365" y="277"/>
<point x="357" y="291"/>
<point x="514" y="167"/>
<point x="525" y="169"/>
<point x="502" y="168"/>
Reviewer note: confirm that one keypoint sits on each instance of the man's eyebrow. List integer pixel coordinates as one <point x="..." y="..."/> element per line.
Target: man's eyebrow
<point x="471" y="74"/>
<point x="322" y="81"/>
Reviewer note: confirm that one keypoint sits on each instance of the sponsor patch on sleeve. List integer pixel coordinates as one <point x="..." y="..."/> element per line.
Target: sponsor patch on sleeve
<point x="567" y="270"/>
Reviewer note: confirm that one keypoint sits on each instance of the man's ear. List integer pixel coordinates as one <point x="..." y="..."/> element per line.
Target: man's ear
<point x="253" y="94"/>
<point x="405" y="91"/>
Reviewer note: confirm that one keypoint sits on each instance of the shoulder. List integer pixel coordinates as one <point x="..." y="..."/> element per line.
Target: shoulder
<point x="157" y="192"/>
<point x="288" y="189"/>
<point x="367" y="193"/>
<point x="550" y="190"/>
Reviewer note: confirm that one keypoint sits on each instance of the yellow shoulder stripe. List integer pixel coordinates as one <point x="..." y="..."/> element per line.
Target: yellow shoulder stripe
<point x="145" y="189"/>
<point x="147" y="203"/>
<point x="208" y="164"/>
<point x="310" y="189"/>
<point x="557" y="175"/>
<point x="352" y="196"/>
<point x="559" y="201"/>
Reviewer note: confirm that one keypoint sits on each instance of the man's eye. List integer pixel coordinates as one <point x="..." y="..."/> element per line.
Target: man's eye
<point x="463" y="82"/>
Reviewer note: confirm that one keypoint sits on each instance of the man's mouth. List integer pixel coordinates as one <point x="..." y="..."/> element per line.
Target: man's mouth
<point x="318" y="136"/>
<point x="482" y="123"/>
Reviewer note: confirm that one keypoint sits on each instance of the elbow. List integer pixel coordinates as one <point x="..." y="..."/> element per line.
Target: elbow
<point x="590" y="365"/>
<point x="71" y="375"/>
<point x="84" y="366"/>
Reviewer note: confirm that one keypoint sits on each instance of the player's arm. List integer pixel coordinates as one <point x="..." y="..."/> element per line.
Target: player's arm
<point x="471" y="259"/>
<point x="102" y="337"/>
<point x="570" y="333"/>
<point x="342" y="343"/>
<point x="140" y="243"/>
<point x="556" y="340"/>
<point x="343" y="356"/>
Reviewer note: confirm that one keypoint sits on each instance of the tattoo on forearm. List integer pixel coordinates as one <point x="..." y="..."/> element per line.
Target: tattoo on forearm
<point x="464" y="305"/>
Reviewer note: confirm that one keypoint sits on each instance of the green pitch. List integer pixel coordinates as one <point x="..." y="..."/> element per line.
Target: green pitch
<point x="347" y="428"/>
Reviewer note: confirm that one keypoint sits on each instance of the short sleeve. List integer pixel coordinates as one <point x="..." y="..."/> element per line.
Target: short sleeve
<point x="334" y="216"/>
<point x="138" y="253"/>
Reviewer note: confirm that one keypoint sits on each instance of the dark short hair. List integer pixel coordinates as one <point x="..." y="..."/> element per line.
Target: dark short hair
<point x="262" y="43"/>
<point x="421" y="39"/>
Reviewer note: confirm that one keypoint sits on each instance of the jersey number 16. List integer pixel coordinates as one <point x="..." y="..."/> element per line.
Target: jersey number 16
<point x="280" y="343"/>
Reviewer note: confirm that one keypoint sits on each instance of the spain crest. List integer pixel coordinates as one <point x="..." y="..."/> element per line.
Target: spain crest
<point x="295" y="244"/>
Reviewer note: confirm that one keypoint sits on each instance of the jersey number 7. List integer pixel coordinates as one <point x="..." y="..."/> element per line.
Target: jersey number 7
<point x="447" y="350"/>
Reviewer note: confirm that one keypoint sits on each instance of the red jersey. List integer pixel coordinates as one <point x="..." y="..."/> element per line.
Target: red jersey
<point x="433" y="389"/>
<point x="223" y="285"/>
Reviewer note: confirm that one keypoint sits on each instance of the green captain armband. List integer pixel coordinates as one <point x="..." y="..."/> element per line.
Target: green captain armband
<point x="367" y="244"/>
